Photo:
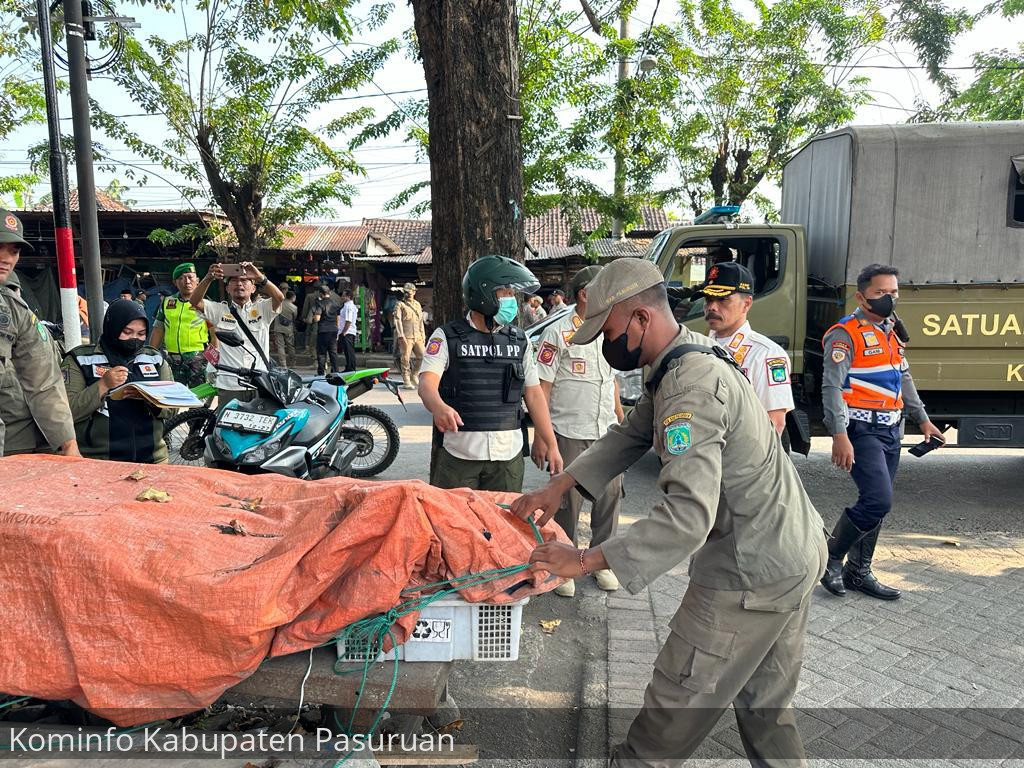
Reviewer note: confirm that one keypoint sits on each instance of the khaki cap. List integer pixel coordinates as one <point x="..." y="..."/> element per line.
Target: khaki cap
<point x="11" y="229"/>
<point x="620" y="280"/>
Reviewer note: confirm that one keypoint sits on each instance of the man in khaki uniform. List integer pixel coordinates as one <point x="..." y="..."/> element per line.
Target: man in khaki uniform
<point x="410" y="335"/>
<point x="282" y="331"/>
<point x="22" y="435"/>
<point x="25" y="343"/>
<point x="583" y="399"/>
<point x="731" y="499"/>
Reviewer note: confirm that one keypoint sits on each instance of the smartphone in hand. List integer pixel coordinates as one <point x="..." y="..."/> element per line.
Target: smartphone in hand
<point x="232" y="270"/>
<point x="928" y="445"/>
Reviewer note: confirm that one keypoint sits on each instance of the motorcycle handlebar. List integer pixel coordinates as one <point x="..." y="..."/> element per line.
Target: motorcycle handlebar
<point x="235" y="371"/>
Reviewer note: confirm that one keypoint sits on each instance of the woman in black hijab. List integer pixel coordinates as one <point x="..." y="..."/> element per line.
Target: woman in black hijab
<point x="120" y="430"/>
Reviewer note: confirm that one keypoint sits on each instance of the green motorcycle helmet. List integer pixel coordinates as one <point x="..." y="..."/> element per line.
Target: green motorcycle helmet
<point x="489" y="273"/>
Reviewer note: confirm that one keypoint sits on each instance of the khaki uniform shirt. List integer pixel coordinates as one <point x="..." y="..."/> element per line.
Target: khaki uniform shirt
<point x="582" y="402"/>
<point x="409" y="320"/>
<point x="764" y="363"/>
<point x="26" y="344"/>
<point x="730" y="497"/>
<point x="284" y="323"/>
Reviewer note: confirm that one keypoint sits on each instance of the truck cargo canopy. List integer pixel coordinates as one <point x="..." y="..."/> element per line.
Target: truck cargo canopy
<point x="940" y="201"/>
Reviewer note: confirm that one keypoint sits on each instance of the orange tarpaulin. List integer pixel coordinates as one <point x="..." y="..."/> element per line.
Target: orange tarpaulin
<point x="141" y="610"/>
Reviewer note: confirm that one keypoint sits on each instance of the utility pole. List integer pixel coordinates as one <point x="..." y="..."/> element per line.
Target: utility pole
<point x="78" y="67"/>
<point x="59" y="188"/>
<point x="619" y="191"/>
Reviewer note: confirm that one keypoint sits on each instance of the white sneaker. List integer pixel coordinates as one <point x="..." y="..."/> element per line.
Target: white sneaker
<point x="606" y="580"/>
<point x="566" y="590"/>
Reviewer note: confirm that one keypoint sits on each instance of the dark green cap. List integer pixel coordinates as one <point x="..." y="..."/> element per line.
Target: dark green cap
<point x="181" y="269"/>
<point x="11" y="229"/>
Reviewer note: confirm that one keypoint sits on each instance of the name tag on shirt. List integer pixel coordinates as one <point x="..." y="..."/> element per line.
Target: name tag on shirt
<point x="148" y="369"/>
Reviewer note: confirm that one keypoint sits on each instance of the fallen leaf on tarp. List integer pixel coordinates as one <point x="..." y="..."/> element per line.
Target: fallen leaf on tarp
<point x="137" y="475"/>
<point x="455" y="725"/>
<point x="152" y="494"/>
<point x="950" y="543"/>
<point x="550" y="626"/>
<point x="251" y="505"/>
<point x="235" y="528"/>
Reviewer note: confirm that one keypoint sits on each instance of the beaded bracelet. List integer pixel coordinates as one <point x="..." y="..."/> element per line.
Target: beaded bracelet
<point x="582" y="566"/>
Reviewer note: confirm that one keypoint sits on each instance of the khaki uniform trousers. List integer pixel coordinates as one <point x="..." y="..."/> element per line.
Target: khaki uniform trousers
<point x="726" y="647"/>
<point x="408" y="349"/>
<point x="282" y="346"/>
<point x="604" y="511"/>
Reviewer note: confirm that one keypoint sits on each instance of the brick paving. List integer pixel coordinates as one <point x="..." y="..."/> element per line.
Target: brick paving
<point x="935" y="678"/>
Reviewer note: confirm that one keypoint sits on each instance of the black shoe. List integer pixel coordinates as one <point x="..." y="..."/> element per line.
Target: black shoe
<point x="857" y="575"/>
<point x="839" y="543"/>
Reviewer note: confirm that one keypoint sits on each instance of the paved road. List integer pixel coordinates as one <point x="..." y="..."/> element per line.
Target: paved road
<point x="908" y="679"/>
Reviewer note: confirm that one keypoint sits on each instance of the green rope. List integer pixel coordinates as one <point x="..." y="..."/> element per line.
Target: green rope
<point x="369" y="633"/>
<point x="12" y="702"/>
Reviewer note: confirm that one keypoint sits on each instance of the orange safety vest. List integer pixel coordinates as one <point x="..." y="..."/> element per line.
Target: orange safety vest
<point x="876" y="366"/>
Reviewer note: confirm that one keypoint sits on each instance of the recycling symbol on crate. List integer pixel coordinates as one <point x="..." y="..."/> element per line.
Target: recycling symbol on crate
<point x="432" y="631"/>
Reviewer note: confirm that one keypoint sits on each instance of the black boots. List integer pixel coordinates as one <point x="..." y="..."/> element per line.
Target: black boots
<point x="843" y="536"/>
<point x="857" y="573"/>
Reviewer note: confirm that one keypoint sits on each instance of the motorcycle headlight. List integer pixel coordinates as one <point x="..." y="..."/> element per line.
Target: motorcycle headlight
<point x="261" y="453"/>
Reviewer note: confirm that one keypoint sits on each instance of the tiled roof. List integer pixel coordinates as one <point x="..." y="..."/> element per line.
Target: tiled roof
<point x="423" y="257"/>
<point x="552" y="228"/>
<point x="411" y="235"/>
<point x="104" y="202"/>
<point x="323" y="237"/>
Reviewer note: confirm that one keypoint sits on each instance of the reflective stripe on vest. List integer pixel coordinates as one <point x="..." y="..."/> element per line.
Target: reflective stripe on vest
<point x="875" y="380"/>
<point x="185" y="329"/>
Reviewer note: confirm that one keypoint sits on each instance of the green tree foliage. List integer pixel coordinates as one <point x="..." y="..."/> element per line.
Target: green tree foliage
<point x="243" y="93"/>
<point x="997" y="91"/>
<point x="21" y="93"/>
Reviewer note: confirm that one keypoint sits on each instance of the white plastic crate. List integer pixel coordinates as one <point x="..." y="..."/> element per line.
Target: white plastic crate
<point x="452" y="629"/>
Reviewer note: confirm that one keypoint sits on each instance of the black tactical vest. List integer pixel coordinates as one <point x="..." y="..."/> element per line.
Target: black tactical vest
<point x="485" y="376"/>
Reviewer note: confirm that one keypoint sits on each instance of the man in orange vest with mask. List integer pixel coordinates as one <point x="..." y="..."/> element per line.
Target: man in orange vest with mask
<point x="866" y="385"/>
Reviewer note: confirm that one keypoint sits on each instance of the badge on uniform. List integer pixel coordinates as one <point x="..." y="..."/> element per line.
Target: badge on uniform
<point x="567" y="336"/>
<point x="874" y="351"/>
<point x="838" y="355"/>
<point x="42" y="331"/>
<point x="579" y="367"/>
<point x="148" y="369"/>
<point x="433" y="347"/>
<point x="254" y="313"/>
<point x="740" y="354"/>
<point x="841" y="345"/>
<point x="99" y="370"/>
<point x="870" y="338"/>
<point x="777" y="373"/>
<point x="547" y="353"/>
<point x="677" y="437"/>
<point x="736" y="341"/>
<point x="172" y="303"/>
<point x="576" y="322"/>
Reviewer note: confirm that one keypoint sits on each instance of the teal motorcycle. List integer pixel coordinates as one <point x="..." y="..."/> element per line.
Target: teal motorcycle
<point x="369" y="437"/>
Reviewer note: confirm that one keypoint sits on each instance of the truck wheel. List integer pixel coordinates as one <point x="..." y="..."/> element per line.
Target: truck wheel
<point x="380" y="451"/>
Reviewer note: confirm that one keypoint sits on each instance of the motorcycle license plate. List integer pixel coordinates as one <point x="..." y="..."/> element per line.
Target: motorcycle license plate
<point x="248" y="422"/>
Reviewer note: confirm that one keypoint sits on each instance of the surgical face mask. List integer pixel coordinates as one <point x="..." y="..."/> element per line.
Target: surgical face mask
<point x="507" y="310"/>
<point x="128" y="347"/>
<point x="617" y="351"/>
<point x="883" y="306"/>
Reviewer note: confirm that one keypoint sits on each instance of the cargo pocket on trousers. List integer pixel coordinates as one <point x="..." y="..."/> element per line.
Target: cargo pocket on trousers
<point x="695" y="654"/>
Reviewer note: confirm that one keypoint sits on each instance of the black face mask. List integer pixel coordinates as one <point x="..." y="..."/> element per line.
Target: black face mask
<point x="883" y="306"/>
<point x="127" y="347"/>
<point x="618" y="354"/>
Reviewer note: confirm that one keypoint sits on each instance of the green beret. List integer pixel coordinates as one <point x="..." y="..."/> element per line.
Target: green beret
<point x="181" y="269"/>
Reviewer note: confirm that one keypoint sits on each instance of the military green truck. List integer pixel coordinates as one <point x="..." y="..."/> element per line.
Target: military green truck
<point x="942" y="202"/>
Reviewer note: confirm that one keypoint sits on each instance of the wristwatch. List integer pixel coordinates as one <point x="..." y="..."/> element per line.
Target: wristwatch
<point x="262" y="282"/>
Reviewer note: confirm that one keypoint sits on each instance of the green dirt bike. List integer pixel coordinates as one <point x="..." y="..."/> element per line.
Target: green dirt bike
<point x="368" y="427"/>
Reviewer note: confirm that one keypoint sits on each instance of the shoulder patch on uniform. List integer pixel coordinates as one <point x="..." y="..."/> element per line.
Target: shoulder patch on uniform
<point x="567" y="335"/>
<point x="736" y="341"/>
<point x="740" y="354"/>
<point x="172" y="303"/>
<point x="841" y="345"/>
<point x="41" y="329"/>
<point x="681" y="416"/>
<point x="433" y="347"/>
<point x="578" y="366"/>
<point x="547" y="353"/>
<point x="838" y="355"/>
<point x="678" y="438"/>
<point x="870" y="338"/>
<point x="576" y="322"/>
<point x="777" y="370"/>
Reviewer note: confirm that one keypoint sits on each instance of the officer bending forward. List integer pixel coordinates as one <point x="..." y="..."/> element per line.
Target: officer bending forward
<point x="730" y="498"/>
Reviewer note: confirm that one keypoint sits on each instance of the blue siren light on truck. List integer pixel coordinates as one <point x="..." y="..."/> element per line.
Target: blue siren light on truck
<point x="719" y="214"/>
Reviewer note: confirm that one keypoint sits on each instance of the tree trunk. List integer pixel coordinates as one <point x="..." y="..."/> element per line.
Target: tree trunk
<point x="470" y="52"/>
